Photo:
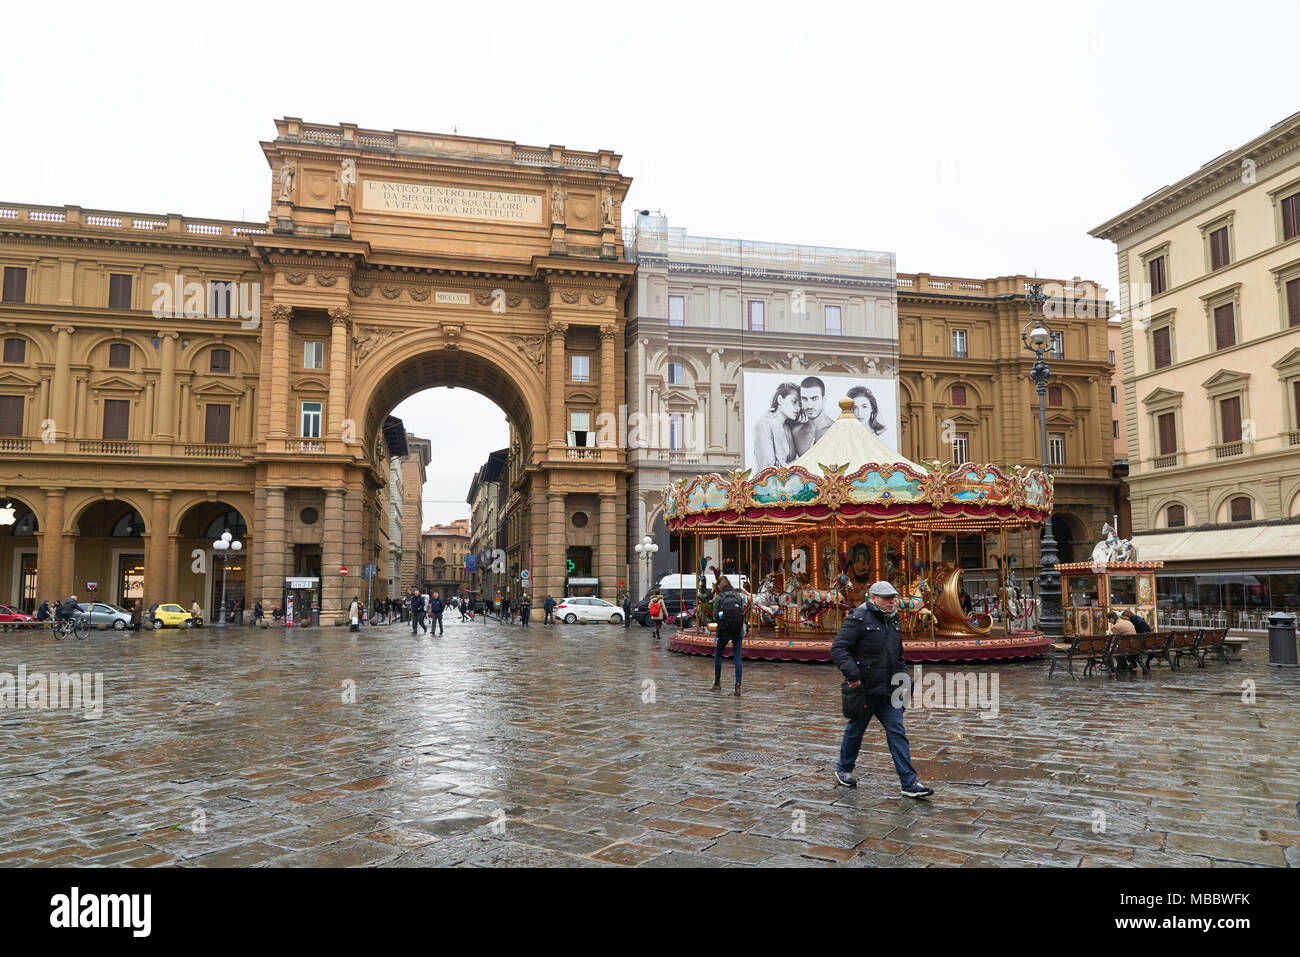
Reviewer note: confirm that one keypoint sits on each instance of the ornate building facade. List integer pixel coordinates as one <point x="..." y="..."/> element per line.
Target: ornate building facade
<point x="705" y="311"/>
<point x="1209" y="272"/>
<point x="966" y="393"/>
<point x="445" y="548"/>
<point x="137" y="421"/>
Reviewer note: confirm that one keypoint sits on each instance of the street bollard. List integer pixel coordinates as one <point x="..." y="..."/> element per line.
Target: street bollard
<point x="1281" y="640"/>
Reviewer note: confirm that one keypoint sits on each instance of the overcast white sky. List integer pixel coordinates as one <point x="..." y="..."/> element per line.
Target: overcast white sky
<point x="971" y="139"/>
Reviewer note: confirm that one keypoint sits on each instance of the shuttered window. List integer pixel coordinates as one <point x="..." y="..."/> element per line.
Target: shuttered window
<point x="1225" y="328"/>
<point x="15" y="287"/>
<point x="1293" y="302"/>
<point x="1291" y="217"/>
<point x="1160" y="346"/>
<point x="11" y="415"/>
<point x="1054" y="395"/>
<point x="1157" y="270"/>
<point x="119" y="356"/>
<point x="1241" y="510"/>
<point x="117" y="419"/>
<point x="1219" y="248"/>
<point x="1175" y="516"/>
<point x="119" y="292"/>
<point x="15" y="350"/>
<point x="220" y="361"/>
<point x="216" y="429"/>
<point x="1230" y="418"/>
<point x="1167" y="435"/>
<point x="959" y="395"/>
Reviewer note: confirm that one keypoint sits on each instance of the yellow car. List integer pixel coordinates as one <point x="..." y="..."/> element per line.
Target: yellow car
<point x="168" y="615"/>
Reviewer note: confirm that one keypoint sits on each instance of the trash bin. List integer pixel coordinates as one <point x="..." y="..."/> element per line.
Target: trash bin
<point x="1281" y="640"/>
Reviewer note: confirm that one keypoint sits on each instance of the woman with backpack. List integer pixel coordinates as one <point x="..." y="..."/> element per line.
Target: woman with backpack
<point x="729" y="609"/>
<point x="658" y="611"/>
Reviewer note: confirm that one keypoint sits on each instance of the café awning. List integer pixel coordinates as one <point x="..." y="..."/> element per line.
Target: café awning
<point x="1221" y="544"/>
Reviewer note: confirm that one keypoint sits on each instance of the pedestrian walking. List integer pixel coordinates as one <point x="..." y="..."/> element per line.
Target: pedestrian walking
<point x="464" y="609"/>
<point x="548" y="611"/>
<point x="135" y="615"/>
<point x="354" y="614"/>
<point x="729" y="608"/>
<point x="627" y="610"/>
<point x="258" y="614"/>
<point x="658" y="611"/>
<point x="868" y="650"/>
<point x="525" y="611"/>
<point x="417" y="612"/>
<point x="505" y="610"/>
<point x="436" y="607"/>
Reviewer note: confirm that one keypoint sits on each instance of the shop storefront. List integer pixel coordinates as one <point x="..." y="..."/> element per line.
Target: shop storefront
<point x="301" y="601"/>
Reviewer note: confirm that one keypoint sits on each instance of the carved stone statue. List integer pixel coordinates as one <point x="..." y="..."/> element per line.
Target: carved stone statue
<point x="286" y="183"/>
<point x="347" y="179"/>
<point x="607" y="208"/>
<point x="557" y="205"/>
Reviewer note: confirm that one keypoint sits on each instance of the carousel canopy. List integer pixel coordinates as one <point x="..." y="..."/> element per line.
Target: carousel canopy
<point x="850" y="443"/>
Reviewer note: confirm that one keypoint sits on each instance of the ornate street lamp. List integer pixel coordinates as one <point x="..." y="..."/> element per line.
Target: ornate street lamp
<point x="645" y="550"/>
<point x="226" y="542"/>
<point x="1037" y="337"/>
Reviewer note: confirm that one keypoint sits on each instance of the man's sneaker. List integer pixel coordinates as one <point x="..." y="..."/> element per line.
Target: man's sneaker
<point x="843" y="777"/>
<point x="918" y="790"/>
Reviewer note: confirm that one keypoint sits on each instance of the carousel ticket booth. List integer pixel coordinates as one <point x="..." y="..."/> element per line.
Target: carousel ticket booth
<point x="1090" y="590"/>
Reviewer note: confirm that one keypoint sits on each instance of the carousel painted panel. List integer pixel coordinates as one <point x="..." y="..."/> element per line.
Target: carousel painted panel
<point x="707" y="494"/>
<point x="980" y="485"/>
<point x="781" y="487"/>
<point x="885" y="485"/>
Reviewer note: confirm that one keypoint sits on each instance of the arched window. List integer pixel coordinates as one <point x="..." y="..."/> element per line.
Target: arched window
<point x="1240" y="509"/>
<point x="1175" y="516"/>
<point x="231" y="522"/>
<point x="130" y="525"/>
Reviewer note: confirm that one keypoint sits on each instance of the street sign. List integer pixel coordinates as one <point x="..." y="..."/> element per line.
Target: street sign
<point x="343" y="571"/>
<point x="369" y="570"/>
<point x="523" y="575"/>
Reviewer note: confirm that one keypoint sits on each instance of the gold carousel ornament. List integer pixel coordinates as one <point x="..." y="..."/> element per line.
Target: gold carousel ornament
<point x="817" y="532"/>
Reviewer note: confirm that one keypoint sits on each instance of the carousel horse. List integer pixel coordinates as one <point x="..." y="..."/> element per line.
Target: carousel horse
<point x="766" y="603"/>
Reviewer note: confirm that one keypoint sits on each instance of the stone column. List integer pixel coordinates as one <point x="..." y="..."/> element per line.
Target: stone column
<point x="171" y="561"/>
<point x="555" y="379"/>
<point x="274" y="542"/>
<point x="332" y="604"/>
<point x="929" y="440"/>
<point x="155" y="548"/>
<point x="607" y="551"/>
<point x="608" y="378"/>
<point x="339" y="325"/>
<point x="640" y="381"/>
<point x="279" y="384"/>
<point x="354" y="507"/>
<point x="49" y="551"/>
<point x="165" y="419"/>
<point x="557" y="553"/>
<point x="717" y="428"/>
<point x="61" y="411"/>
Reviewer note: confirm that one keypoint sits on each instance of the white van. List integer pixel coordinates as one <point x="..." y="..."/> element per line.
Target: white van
<point x="690" y="582"/>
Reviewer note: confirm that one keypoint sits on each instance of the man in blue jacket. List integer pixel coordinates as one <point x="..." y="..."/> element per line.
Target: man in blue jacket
<point x="869" y="651"/>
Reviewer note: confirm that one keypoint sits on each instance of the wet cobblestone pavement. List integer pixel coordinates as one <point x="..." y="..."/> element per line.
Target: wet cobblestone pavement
<point x="499" y="746"/>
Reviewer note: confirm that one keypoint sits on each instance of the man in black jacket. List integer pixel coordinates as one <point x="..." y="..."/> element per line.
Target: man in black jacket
<point x="869" y="651"/>
<point x="436" y="607"/>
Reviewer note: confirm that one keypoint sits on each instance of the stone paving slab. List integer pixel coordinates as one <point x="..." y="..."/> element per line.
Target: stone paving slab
<point x="496" y="746"/>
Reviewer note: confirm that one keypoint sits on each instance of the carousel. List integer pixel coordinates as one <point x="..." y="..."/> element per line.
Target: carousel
<point x="816" y="533"/>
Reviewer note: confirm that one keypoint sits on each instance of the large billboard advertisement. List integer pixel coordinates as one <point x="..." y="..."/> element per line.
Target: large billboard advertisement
<point x="786" y="412"/>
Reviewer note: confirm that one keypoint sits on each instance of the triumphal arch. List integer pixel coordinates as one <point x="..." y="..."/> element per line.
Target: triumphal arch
<point x="425" y="260"/>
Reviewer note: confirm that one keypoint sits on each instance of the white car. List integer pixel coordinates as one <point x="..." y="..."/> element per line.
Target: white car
<point x="573" y="610"/>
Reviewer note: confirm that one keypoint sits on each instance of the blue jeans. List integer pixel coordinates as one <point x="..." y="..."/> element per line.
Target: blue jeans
<point x="717" y="656"/>
<point x="892" y="720"/>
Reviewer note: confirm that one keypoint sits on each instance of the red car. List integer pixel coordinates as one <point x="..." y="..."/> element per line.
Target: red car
<point x="13" y="618"/>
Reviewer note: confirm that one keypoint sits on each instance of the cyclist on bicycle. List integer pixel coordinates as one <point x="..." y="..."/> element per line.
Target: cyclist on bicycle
<point x="68" y="610"/>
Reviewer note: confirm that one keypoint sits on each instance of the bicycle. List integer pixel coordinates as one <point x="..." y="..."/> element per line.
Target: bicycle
<point x="77" y="626"/>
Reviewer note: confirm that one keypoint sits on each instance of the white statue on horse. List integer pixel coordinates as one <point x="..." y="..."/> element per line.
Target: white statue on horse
<point x="1112" y="548"/>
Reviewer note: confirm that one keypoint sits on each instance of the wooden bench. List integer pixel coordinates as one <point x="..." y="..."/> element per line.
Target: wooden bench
<point x="1184" y="643"/>
<point x="1123" y="653"/>
<point x="1091" y="648"/>
<point x="1211" y="642"/>
<point x="1154" y="644"/>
